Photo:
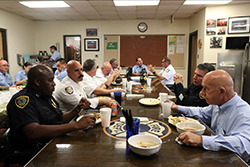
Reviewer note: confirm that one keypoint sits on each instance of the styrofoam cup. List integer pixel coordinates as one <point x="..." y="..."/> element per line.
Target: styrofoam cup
<point x="105" y="116"/>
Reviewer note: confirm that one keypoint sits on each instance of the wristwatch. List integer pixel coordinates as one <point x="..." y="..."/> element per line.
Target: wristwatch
<point x="153" y="72"/>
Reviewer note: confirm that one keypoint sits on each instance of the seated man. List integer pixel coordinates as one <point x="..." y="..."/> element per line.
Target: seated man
<point x="91" y="85"/>
<point x="35" y="116"/>
<point x="21" y="76"/>
<point x="70" y="90"/>
<point x="191" y="96"/>
<point x="102" y="74"/>
<point x="61" y="71"/>
<point x="5" y="78"/>
<point x="114" y="66"/>
<point x="227" y="113"/>
<point x="166" y="75"/>
<point x="139" y="66"/>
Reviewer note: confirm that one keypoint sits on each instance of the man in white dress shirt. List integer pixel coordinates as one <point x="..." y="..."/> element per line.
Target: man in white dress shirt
<point x="102" y="74"/>
<point x="69" y="92"/>
<point x="166" y="75"/>
<point x="91" y="85"/>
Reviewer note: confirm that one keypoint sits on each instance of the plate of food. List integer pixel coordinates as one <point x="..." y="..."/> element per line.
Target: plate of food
<point x="97" y="115"/>
<point x="104" y="97"/>
<point x="149" y="101"/>
<point x="116" y="83"/>
<point x="174" y="120"/>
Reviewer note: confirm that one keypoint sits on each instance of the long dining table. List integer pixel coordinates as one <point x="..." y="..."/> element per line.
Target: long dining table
<point x="95" y="147"/>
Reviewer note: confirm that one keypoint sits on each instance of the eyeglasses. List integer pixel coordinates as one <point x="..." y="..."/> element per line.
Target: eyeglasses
<point x="163" y="62"/>
<point x="5" y="65"/>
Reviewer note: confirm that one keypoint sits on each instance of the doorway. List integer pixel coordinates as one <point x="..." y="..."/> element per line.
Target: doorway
<point x="192" y="55"/>
<point x="3" y="44"/>
<point x="72" y="48"/>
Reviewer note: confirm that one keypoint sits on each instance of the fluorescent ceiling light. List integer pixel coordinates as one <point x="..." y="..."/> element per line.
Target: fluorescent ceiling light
<point x="202" y="2"/>
<point x="44" y="4"/>
<point x="136" y="3"/>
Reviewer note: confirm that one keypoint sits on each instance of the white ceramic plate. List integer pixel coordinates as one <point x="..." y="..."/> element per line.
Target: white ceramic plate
<point x="149" y="101"/>
<point x="96" y="122"/>
<point x="174" y="120"/>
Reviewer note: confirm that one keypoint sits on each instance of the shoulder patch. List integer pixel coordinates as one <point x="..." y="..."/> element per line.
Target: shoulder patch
<point x="22" y="101"/>
<point x="69" y="90"/>
<point x="201" y="96"/>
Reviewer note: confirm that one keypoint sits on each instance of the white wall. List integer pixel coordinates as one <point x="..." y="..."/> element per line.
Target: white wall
<point x="20" y="37"/>
<point x="48" y="33"/>
<point x="210" y="55"/>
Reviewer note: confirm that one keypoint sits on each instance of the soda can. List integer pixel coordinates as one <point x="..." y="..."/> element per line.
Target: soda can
<point x="113" y="106"/>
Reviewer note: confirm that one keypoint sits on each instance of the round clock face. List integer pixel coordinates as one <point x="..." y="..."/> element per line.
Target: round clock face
<point x="142" y="27"/>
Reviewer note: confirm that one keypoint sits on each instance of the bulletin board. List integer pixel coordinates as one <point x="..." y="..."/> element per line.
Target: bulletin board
<point x="176" y="48"/>
<point x="152" y="48"/>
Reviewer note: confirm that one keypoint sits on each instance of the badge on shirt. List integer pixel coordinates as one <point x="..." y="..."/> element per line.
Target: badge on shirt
<point x="201" y="96"/>
<point x="167" y="70"/>
<point x="53" y="103"/>
<point x="22" y="101"/>
<point x="69" y="90"/>
<point x="9" y="78"/>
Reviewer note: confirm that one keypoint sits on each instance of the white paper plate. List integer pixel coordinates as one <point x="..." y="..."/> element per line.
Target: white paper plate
<point x="149" y="101"/>
<point x="96" y="122"/>
<point x="104" y="97"/>
<point x="171" y="120"/>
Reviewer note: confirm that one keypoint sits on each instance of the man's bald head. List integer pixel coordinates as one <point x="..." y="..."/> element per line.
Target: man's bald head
<point x="106" y="68"/>
<point x="218" y="86"/>
<point x="41" y="77"/>
<point x="74" y="70"/>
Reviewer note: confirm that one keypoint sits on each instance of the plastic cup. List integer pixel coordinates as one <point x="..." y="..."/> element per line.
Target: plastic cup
<point x="166" y="109"/>
<point x="163" y="97"/>
<point x="13" y="90"/>
<point x="130" y="84"/>
<point x="118" y="96"/>
<point x="105" y="116"/>
<point x="124" y="82"/>
<point x="133" y="130"/>
<point x="149" y="82"/>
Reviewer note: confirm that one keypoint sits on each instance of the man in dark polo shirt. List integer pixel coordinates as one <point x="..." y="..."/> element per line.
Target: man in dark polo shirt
<point x="35" y="116"/>
<point x="191" y="96"/>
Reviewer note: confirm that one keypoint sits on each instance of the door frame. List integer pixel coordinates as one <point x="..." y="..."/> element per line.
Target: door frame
<point x="65" y="45"/>
<point x="191" y="61"/>
<point x="4" y="42"/>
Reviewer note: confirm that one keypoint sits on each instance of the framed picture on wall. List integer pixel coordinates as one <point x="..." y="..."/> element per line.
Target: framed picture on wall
<point x="238" y="25"/>
<point x="91" y="32"/>
<point x="91" y="44"/>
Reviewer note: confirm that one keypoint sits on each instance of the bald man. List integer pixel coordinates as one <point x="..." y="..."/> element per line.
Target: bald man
<point x="35" y="116"/>
<point x="5" y="78"/>
<point x="70" y="90"/>
<point x="227" y="113"/>
<point x="102" y="74"/>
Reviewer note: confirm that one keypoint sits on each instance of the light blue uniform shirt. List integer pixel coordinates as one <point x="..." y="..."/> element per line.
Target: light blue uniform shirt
<point x="56" y="55"/>
<point x="230" y="122"/>
<point x="20" y="75"/>
<point x="61" y="75"/>
<point x="137" y="68"/>
<point x="6" y="80"/>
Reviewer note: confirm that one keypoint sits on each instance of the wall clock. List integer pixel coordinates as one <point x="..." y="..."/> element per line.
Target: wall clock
<point x="142" y="27"/>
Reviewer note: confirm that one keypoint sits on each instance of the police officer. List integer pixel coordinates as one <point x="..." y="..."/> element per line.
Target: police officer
<point x="5" y="77"/>
<point x="191" y="96"/>
<point x="35" y="116"/>
<point x="21" y="76"/>
<point x="55" y="56"/>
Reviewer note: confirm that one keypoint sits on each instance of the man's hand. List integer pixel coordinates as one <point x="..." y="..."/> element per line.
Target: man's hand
<point x="86" y="122"/>
<point x="151" y="68"/>
<point x="83" y="103"/>
<point x="190" y="139"/>
<point x="178" y="78"/>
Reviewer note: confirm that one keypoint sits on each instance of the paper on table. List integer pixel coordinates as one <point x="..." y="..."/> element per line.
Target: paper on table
<point x="142" y="119"/>
<point x="135" y="95"/>
<point x="179" y="142"/>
